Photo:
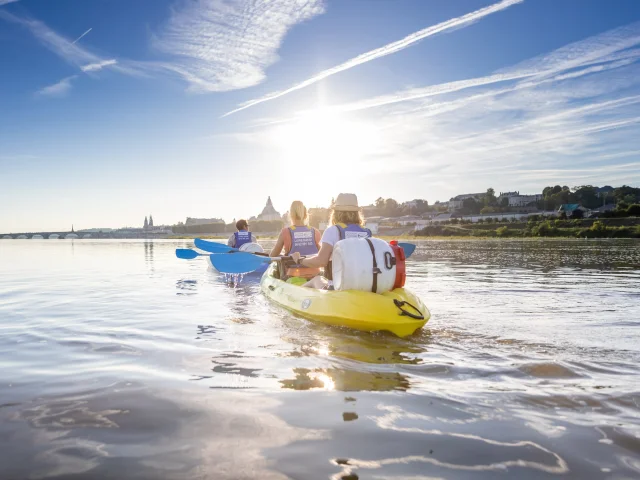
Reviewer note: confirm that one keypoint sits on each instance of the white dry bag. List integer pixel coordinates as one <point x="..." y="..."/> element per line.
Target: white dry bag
<point x="354" y="267"/>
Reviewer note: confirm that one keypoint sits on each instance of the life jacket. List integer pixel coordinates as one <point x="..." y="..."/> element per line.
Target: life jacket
<point x="352" y="230"/>
<point x="347" y="231"/>
<point x="242" y="237"/>
<point x="303" y="241"/>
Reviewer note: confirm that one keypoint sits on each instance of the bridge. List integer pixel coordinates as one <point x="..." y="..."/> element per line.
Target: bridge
<point x="122" y="233"/>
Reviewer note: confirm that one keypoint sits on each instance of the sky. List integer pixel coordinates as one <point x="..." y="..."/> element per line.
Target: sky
<point x="113" y="110"/>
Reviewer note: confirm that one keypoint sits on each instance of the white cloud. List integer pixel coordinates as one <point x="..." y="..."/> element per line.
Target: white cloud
<point x="388" y="49"/>
<point x="59" y="89"/>
<point x="82" y="36"/>
<point x="566" y="117"/>
<point x="227" y="45"/>
<point x="66" y="49"/>
<point x="95" y="67"/>
<point x="4" y="2"/>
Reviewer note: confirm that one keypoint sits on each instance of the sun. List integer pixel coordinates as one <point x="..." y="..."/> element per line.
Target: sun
<point x="326" y="140"/>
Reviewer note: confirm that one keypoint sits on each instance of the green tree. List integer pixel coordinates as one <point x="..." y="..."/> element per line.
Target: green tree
<point x="490" y="197"/>
<point x="587" y="196"/>
<point x="391" y="208"/>
<point x="471" y="206"/>
<point x="577" y="213"/>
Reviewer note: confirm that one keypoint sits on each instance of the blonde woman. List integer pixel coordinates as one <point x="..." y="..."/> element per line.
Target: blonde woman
<point x="346" y="222"/>
<point x="298" y="238"/>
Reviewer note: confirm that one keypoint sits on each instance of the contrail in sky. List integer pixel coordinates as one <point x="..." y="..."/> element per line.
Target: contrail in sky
<point x="388" y="49"/>
<point x="81" y="36"/>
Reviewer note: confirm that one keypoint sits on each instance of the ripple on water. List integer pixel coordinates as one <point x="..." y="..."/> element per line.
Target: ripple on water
<point x="134" y="364"/>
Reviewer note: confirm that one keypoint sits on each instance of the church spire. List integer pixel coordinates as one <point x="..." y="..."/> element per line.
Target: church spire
<point x="146" y="223"/>
<point x="150" y="221"/>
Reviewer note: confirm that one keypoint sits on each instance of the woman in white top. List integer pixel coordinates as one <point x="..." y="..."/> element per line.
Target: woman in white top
<point x="346" y="222"/>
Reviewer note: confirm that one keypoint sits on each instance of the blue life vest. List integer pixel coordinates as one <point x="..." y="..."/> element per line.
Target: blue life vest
<point x="353" y="231"/>
<point x="242" y="237"/>
<point x="303" y="241"/>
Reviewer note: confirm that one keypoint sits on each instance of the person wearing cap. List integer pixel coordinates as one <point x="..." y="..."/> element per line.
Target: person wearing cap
<point x="242" y="236"/>
<point x="346" y="222"/>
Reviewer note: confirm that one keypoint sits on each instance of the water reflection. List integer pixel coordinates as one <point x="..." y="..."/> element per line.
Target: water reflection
<point x="345" y="380"/>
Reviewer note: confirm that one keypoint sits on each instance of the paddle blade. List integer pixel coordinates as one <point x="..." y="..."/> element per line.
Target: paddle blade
<point x="212" y="247"/>
<point x="237" y="263"/>
<point x="408" y="248"/>
<point x="186" y="253"/>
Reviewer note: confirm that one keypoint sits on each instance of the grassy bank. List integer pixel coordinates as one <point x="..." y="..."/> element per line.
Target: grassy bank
<point x="588" y="228"/>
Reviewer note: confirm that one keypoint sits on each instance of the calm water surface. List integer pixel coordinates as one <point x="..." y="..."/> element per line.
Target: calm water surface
<point x="118" y="360"/>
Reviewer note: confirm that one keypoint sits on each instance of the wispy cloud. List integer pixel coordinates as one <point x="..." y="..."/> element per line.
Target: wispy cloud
<point x="81" y="36"/>
<point x="66" y="49"/>
<point x="388" y="49"/>
<point x="94" y="67"/>
<point x="4" y="2"/>
<point x="59" y="89"/>
<point x="568" y="116"/>
<point x="226" y="45"/>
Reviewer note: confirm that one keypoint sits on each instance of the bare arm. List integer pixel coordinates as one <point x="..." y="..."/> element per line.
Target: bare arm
<point x="317" y="261"/>
<point x="277" y="249"/>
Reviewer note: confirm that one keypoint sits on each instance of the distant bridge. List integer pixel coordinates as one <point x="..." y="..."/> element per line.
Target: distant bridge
<point x="80" y="235"/>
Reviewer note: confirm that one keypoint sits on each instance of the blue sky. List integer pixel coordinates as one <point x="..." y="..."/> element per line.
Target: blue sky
<point x="111" y="110"/>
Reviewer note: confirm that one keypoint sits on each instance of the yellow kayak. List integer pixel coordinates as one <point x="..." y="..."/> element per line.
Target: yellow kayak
<point x="398" y="311"/>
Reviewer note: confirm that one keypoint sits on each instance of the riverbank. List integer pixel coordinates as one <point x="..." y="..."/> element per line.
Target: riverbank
<point x="578" y="228"/>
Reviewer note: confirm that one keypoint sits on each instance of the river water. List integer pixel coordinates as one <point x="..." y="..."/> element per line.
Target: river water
<point x="118" y="360"/>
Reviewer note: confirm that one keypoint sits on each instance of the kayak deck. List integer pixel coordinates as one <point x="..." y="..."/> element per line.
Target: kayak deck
<point x="351" y="308"/>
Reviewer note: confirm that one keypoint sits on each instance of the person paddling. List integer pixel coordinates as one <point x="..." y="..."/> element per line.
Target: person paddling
<point x="298" y="238"/>
<point x="346" y="222"/>
<point x="242" y="236"/>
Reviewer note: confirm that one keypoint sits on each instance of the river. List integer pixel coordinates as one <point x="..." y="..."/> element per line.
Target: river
<point x="117" y="360"/>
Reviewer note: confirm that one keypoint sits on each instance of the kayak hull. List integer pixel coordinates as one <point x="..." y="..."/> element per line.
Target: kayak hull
<point x="256" y="273"/>
<point x="364" y="311"/>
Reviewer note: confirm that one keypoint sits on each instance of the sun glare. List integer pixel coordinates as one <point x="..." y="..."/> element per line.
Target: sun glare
<point x="326" y="141"/>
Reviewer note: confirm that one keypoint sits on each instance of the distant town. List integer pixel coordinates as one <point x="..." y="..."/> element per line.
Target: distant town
<point x="387" y="216"/>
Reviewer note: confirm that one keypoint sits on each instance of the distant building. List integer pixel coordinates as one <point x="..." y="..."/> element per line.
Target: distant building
<point x="443" y="217"/>
<point x="456" y="202"/>
<point x="373" y="226"/>
<point x="268" y="214"/>
<point x="150" y="221"/>
<point x="408" y="219"/>
<point x="202" y="221"/>
<point x="146" y="223"/>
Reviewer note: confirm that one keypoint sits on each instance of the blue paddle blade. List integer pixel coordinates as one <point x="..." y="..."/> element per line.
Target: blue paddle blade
<point x="240" y="262"/>
<point x="408" y="248"/>
<point x="213" y="247"/>
<point x="186" y="253"/>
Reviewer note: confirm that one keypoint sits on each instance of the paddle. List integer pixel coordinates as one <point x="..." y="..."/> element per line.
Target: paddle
<point x="188" y="254"/>
<point x="408" y="248"/>
<point x="213" y="247"/>
<point x="241" y="262"/>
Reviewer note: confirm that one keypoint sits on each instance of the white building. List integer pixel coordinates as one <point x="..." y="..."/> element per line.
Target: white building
<point x="268" y="214"/>
<point x="518" y="200"/>
<point x="456" y="202"/>
<point x="373" y="226"/>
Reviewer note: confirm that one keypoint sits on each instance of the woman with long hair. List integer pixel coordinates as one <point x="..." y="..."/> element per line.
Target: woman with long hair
<point x="298" y="238"/>
<point x="346" y="222"/>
